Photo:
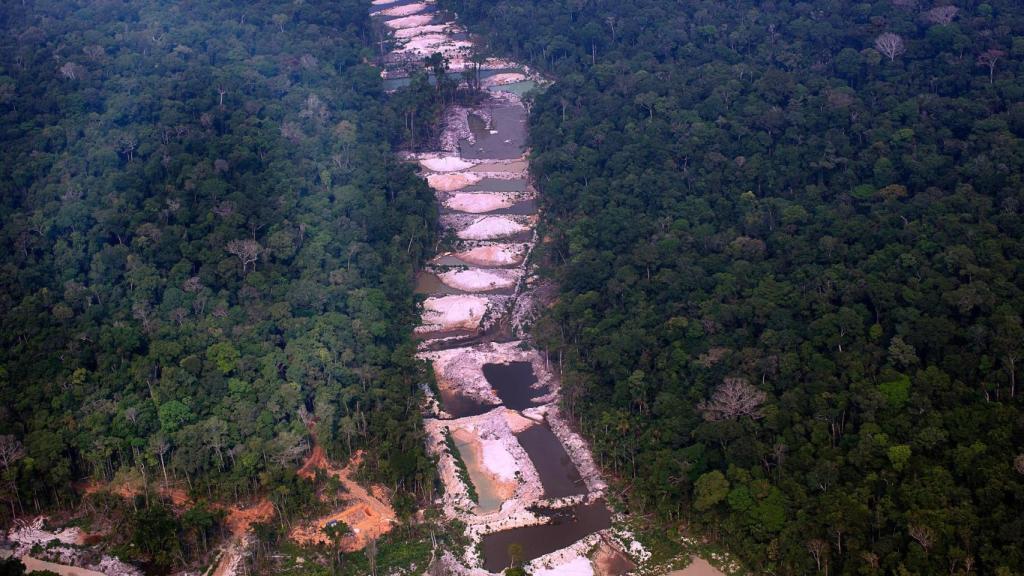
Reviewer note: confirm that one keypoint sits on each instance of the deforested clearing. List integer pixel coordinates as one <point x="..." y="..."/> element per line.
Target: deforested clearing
<point x="451" y="182"/>
<point x="490" y="227"/>
<point x="406" y="10"/>
<point x="457" y="312"/>
<point x="446" y="164"/>
<point x="494" y="255"/>
<point x="479" y="280"/>
<point x="699" y="567"/>
<point x="410" y="21"/>
<point x="478" y="203"/>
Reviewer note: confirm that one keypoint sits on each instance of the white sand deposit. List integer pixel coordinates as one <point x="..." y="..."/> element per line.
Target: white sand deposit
<point x="578" y="566"/>
<point x="433" y="42"/>
<point x="457" y="312"/>
<point x="407" y="33"/>
<point x="491" y="227"/>
<point x="498" y="460"/>
<point x="405" y="10"/>
<point x="502" y="79"/>
<point x="383" y="2"/>
<point x="479" y="280"/>
<point x="495" y="255"/>
<point x="410" y="21"/>
<point x="452" y="182"/>
<point x="445" y="164"/>
<point x="479" y="203"/>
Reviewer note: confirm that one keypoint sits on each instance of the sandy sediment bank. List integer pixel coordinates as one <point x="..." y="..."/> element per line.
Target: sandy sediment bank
<point x="482" y="227"/>
<point x="502" y="79"/>
<point x="453" y="181"/>
<point x="404" y="10"/>
<point x="445" y="163"/>
<point x="409" y="21"/>
<point x="455" y="312"/>
<point x="406" y="33"/>
<point x="494" y="254"/>
<point x="480" y="202"/>
<point x="480" y="280"/>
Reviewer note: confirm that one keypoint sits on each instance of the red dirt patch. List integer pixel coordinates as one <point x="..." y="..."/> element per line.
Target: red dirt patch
<point x="369" y="515"/>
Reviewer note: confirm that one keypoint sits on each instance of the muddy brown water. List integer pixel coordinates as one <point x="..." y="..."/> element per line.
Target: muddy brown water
<point x="567" y="527"/>
<point x="508" y="122"/>
<point x="452" y="260"/>
<point x="512" y="383"/>
<point x="558" y="475"/>
<point x="430" y="284"/>
<point x="488" y="497"/>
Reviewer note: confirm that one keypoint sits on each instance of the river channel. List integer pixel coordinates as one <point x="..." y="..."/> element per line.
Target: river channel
<point x="534" y="480"/>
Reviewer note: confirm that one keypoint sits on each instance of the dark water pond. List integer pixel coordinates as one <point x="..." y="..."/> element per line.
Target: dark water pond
<point x="508" y="122"/>
<point x="460" y="405"/>
<point x="568" y="526"/>
<point x="558" y="474"/>
<point x="497" y="185"/>
<point x="521" y="208"/>
<point x="512" y="382"/>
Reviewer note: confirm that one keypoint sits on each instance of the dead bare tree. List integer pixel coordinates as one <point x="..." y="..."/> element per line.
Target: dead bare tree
<point x="923" y="535"/>
<point x="891" y="45"/>
<point x="128" y="145"/>
<point x="246" y="250"/>
<point x="989" y="58"/>
<point x="94" y="52"/>
<point x="11" y="450"/>
<point x="817" y="547"/>
<point x="733" y="398"/>
<point x="611" y="21"/>
<point x="941" y="15"/>
<point x="159" y="445"/>
<point x="71" y="71"/>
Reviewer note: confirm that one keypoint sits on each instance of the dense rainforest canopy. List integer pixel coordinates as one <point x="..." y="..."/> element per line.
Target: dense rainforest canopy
<point x="208" y="246"/>
<point x="790" y="246"/>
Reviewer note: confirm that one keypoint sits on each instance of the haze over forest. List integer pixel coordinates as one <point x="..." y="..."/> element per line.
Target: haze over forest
<point x="754" y="271"/>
